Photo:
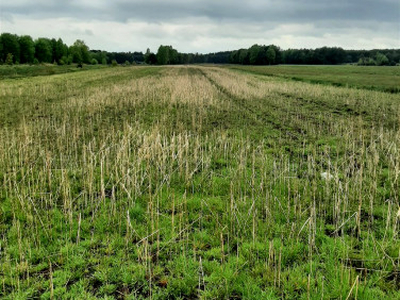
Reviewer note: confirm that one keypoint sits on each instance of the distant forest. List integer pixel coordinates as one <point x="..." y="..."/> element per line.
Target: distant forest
<point x="16" y="49"/>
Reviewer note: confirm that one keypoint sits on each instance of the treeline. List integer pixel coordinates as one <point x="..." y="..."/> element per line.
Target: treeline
<point x="169" y="55"/>
<point x="16" y="49"/>
<point x="264" y="55"/>
<point x="334" y="56"/>
<point x="105" y="57"/>
<point x="23" y="49"/>
<point x="272" y="55"/>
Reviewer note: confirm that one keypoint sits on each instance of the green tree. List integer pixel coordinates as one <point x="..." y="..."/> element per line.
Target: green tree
<point x="371" y="62"/>
<point x="100" y="56"/>
<point x="80" y="52"/>
<point x="255" y="54"/>
<point x="173" y="55"/>
<point x="60" y="50"/>
<point x="150" y="58"/>
<point x="147" y="55"/>
<point x="234" y="57"/>
<point x="53" y="42"/>
<point x="244" y="57"/>
<point x="278" y="54"/>
<point x="270" y="55"/>
<point x="336" y="55"/>
<point x="381" y="59"/>
<point x="163" y="55"/>
<point x="9" y="44"/>
<point x="167" y="55"/>
<point x="43" y="50"/>
<point x="27" y="49"/>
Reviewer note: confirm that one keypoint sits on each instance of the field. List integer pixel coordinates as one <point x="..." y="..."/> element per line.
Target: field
<point x="21" y="71"/>
<point x="193" y="182"/>
<point x="381" y="79"/>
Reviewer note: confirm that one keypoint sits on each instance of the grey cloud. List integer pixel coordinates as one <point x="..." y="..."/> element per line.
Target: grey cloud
<point x="212" y="25"/>
<point x="6" y="17"/>
<point x="82" y="32"/>
<point x="256" y="11"/>
<point x="249" y="11"/>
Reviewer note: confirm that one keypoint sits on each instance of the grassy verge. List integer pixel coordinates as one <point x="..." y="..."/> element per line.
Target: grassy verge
<point x="21" y="71"/>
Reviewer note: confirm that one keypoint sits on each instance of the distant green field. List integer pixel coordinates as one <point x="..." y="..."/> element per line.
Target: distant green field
<point x="374" y="78"/>
<point x="20" y="71"/>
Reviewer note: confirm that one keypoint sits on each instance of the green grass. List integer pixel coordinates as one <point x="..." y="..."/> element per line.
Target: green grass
<point x="20" y="71"/>
<point x="197" y="182"/>
<point x="373" y="78"/>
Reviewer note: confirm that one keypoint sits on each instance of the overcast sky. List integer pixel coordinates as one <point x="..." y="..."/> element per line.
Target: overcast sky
<point x="208" y="25"/>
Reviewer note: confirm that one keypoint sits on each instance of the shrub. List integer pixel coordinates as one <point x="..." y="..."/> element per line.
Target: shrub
<point x="9" y="59"/>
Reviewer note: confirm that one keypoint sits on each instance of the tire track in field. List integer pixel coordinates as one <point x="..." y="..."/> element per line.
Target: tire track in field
<point x="261" y="117"/>
<point x="333" y="109"/>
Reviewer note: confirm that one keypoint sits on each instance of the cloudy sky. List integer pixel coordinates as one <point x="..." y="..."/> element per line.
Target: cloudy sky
<point x="207" y="25"/>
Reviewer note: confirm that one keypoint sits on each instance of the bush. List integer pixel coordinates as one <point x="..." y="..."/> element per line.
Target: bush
<point x="9" y="59"/>
<point x="371" y="62"/>
<point x="69" y="60"/>
<point x="366" y="61"/>
<point x="114" y="63"/>
<point x="381" y="59"/>
<point x="94" y="61"/>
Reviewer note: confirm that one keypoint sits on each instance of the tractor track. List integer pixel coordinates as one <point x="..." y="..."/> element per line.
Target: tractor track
<point x="259" y="116"/>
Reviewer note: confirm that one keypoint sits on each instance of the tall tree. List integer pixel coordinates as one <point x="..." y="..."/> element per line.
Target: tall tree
<point x="60" y="50"/>
<point x="381" y="59"/>
<point x="244" y="56"/>
<point x="147" y="56"/>
<point x="10" y="45"/>
<point x="80" y="52"/>
<point x="43" y="50"/>
<point x="278" y="53"/>
<point x="1" y="51"/>
<point x="270" y="55"/>
<point x="27" y="49"/>
<point x="173" y="55"/>
<point x="163" y="55"/>
<point x="256" y="53"/>
<point x="100" y="56"/>
<point x="152" y="59"/>
<point x="167" y="55"/>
